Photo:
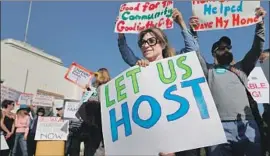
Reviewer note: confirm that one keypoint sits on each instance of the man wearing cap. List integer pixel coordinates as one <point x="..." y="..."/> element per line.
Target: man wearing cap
<point x="227" y="80"/>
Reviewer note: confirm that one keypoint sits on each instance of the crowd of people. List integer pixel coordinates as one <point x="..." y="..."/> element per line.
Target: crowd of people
<point x="246" y="130"/>
<point x="19" y="129"/>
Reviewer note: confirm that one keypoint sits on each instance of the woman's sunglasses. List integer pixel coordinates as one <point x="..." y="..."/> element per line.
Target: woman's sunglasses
<point x="150" y="41"/>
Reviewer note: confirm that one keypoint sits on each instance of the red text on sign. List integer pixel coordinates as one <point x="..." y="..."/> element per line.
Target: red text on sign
<point x="257" y="86"/>
<point x="256" y="94"/>
<point x="194" y="2"/>
<point x="237" y="20"/>
<point x="138" y="26"/>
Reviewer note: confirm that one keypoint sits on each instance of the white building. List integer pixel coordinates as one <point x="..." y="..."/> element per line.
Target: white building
<point x="28" y="69"/>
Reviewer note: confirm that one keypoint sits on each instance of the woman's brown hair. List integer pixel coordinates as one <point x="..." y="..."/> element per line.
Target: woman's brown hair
<point x="168" y="51"/>
<point x="102" y="77"/>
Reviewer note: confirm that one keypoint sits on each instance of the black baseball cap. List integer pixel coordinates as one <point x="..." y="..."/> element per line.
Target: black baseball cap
<point x="223" y="39"/>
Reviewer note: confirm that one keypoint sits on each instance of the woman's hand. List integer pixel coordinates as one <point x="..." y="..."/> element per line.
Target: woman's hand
<point x="25" y="137"/>
<point x="168" y="154"/>
<point x="178" y="18"/>
<point x="142" y="63"/>
<point x="9" y="134"/>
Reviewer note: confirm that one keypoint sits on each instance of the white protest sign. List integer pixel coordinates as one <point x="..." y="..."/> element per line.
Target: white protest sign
<point x="165" y="107"/>
<point x="9" y="94"/>
<point x="258" y="85"/>
<point x="43" y="100"/>
<point x="78" y="75"/>
<point x="4" y="93"/>
<point x="25" y="98"/>
<point x="137" y="16"/>
<point x="3" y="143"/>
<point x="71" y="108"/>
<point x="225" y="14"/>
<point x="51" y="128"/>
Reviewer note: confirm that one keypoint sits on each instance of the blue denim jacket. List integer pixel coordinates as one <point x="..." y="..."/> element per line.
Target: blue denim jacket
<point x="129" y="57"/>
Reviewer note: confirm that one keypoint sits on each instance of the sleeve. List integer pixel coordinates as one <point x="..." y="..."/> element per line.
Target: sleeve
<point x="190" y="41"/>
<point x="27" y="126"/>
<point x="249" y="61"/>
<point x="191" y="44"/>
<point x="126" y="53"/>
<point x="17" y="123"/>
<point x="205" y="66"/>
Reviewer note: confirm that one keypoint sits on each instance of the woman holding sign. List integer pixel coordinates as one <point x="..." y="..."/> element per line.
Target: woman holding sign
<point x="90" y="113"/>
<point x="7" y="125"/>
<point x="158" y="43"/>
<point x="155" y="46"/>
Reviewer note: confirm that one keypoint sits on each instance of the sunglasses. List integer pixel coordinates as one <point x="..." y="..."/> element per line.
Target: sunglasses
<point x="229" y="47"/>
<point x="150" y="41"/>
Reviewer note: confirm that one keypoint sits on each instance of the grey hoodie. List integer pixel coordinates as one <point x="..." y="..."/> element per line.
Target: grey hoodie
<point x="228" y="92"/>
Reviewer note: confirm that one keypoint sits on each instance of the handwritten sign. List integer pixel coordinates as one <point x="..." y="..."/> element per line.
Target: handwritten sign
<point x="51" y="128"/>
<point x="78" y="75"/>
<point x="137" y="16"/>
<point x="8" y="93"/>
<point x="152" y="108"/>
<point x="258" y="85"/>
<point x="25" y="98"/>
<point x="43" y="100"/>
<point x="71" y="108"/>
<point x="225" y="14"/>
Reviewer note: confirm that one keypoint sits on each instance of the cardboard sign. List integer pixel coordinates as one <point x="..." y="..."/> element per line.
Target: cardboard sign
<point x="137" y="16"/>
<point x="51" y="128"/>
<point x="43" y="100"/>
<point x="25" y="98"/>
<point x="165" y="107"/>
<point x="4" y="93"/>
<point x="258" y="85"/>
<point x="71" y="108"/>
<point x="9" y="94"/>
<point x="225" y="14"/>
<point x="78" y="75"/>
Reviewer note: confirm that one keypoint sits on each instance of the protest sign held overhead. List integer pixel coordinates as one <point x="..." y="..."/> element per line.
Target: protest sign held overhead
<point x="78" y="75"/>
<point x="51" y="128"/>
<point x="8" y="93"/>
<point x="25" y="98"/>
<point x="258" y="85"/>
<point x="71" y="108"/>
<point x="137" y="16"/>
<point x="224" y="14"/>
<point x="43" y="100"/>
<point x="144" y="105"/>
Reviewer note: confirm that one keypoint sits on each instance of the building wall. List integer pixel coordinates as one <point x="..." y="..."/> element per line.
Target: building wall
<point x="23" y="64"/>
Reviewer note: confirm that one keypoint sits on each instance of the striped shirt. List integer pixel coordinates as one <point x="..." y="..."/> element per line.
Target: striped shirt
<point x="75" y="123"/>
<point x="74" y="126"/>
